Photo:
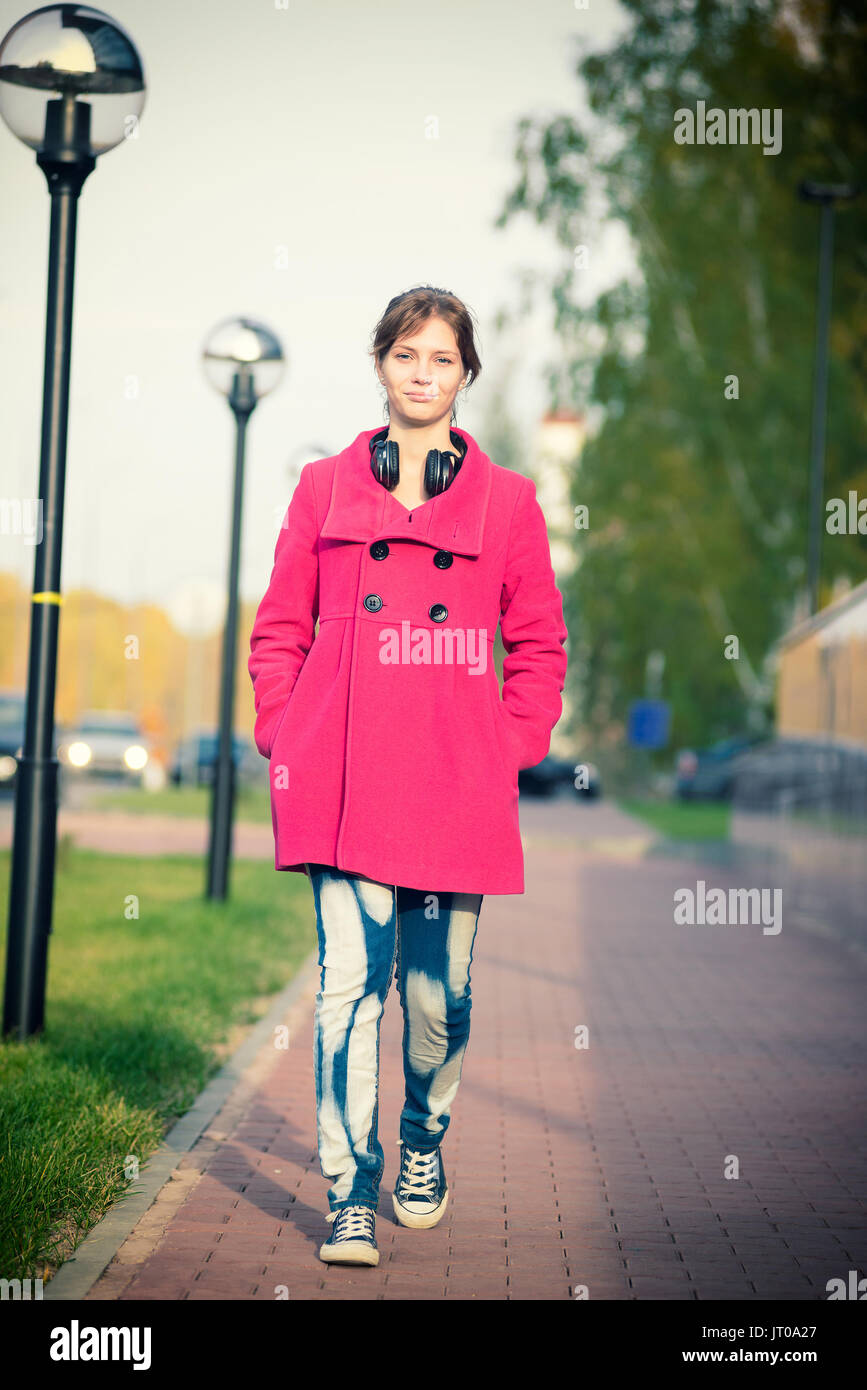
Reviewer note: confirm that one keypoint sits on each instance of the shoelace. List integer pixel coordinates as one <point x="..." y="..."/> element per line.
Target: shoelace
<point x="419" y="1174"/>
<point x="352" y="1223"/>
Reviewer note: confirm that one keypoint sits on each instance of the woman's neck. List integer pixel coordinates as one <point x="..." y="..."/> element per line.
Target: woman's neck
<point x="416" y="442"/>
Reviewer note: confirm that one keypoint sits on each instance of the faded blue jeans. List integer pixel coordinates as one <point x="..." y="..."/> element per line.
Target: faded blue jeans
<point x="364" y="927"/>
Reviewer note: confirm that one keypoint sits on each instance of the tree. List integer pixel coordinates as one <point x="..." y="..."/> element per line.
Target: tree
<point x="697" y="481"/>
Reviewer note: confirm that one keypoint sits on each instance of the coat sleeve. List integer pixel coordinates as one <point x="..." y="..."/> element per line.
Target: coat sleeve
<point x="534" y="634"/>
<point x="282" y="631"/>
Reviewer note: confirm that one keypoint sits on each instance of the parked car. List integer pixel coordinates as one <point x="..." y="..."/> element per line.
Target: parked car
<point x="552" y="774"/>
<point x="586" y="781"/>
<point x="708" y="774"/>
<point x="541" y="780"/>
<point x="812" y="775"/>
<point x="13" y="714"/>
<point x="196" y="756"/>
<point x="12" y="711"/>
<point x="106" y="743"/>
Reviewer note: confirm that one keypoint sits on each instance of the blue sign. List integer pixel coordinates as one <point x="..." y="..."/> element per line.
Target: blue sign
<point x="649" y="722"/>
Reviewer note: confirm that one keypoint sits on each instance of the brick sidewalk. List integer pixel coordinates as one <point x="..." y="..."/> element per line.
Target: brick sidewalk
<point x="601" y="1167"/>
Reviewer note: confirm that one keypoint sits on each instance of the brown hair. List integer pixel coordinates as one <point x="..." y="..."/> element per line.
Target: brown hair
<point x="408" y="311"/>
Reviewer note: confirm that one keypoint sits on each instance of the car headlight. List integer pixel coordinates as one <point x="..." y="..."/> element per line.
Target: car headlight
<point x="135" y="757"/>
<point x="79" y="753"/>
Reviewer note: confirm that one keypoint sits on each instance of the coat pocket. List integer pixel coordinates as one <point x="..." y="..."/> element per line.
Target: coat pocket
<point x="508" y="757"/>
<point x="279" y="725"/>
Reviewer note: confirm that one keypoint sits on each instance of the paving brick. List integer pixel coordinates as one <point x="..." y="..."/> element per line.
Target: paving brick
<point x="720" y="1264"/>
<point x="671" y="1271"/>
<point x="648" y="1288"/>
<point x="475" y="1287"/>
<point x="717" y="1292"/>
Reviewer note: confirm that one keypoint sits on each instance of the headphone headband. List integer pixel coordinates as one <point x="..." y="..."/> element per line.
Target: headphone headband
<point x="441" y="466"/>
<point x="379" y="438"/>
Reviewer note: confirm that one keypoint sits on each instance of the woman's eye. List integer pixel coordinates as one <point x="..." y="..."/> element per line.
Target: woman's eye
<point x="446" y="360"/>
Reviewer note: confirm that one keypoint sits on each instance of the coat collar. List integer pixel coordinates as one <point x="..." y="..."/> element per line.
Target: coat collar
<point x="361" y="509"/>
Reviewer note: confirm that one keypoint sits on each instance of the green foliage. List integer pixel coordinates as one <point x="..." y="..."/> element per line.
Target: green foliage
<point x="699" y="503"/>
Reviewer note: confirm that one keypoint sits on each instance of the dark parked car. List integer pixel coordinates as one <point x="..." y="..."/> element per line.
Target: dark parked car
<point x="809" y="775"/>
<point x="580" y="776"/>
<point x="552" y="774"/>
<point x="13" y="713"/>
<point x="708" y="775"/>
<point x="196" y="755"/>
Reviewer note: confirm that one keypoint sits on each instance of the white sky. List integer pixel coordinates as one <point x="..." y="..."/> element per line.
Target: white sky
<point x="263" y="128"/>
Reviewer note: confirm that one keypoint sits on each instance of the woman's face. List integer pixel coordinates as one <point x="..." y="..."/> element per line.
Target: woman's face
<point x="422" y="374"/>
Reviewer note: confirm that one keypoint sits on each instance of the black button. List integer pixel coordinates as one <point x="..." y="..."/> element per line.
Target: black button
<point x="379" y="550"/>
<point x="372" y="603"/>
<point x="438" y="612"/>
<point x="443" y="559"/>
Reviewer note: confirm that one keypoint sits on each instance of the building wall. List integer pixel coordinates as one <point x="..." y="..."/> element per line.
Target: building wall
<point x="822" y="688"/>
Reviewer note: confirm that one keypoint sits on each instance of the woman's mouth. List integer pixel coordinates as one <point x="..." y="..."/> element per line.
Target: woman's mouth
<point x="422" y="395"/>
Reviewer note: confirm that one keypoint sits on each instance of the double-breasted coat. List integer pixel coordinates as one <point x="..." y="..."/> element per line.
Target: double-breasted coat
<point x="391" y="751"/>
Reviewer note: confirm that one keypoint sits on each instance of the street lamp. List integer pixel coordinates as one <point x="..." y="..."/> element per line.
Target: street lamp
<point x="71" y="88"/>
<point x="243" y="360"/>
<point x="826" y="195"/>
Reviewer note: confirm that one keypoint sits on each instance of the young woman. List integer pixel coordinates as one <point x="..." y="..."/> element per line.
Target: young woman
<point x="394" y="761"/>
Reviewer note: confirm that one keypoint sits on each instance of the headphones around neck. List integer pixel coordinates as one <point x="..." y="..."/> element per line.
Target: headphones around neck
<point x="440" y="469"/>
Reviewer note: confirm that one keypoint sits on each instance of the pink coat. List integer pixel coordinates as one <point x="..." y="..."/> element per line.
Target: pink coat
<point x="392" y="754"/>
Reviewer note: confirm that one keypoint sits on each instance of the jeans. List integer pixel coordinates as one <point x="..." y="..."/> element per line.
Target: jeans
<point x="364" y="927"/>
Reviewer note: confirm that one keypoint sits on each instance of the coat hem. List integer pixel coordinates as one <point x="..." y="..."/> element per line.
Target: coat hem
<point x="362" y="865"/>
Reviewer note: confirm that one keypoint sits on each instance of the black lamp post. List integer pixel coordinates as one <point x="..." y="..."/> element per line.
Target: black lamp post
<point x="244" y="361"/>
<point x="71" y="88"/>
<point x="826" y="195"/>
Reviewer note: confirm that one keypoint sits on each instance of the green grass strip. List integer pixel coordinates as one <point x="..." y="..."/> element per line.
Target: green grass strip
<point x="683" y="820"/>
<point x="141" y="1011"/>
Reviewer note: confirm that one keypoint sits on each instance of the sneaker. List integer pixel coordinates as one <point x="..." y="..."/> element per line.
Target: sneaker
<point x="420" y="1194"/>
<point x="352" y="1240"/>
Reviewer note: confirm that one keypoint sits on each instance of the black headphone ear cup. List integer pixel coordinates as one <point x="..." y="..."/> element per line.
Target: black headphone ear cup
<point x="432" y="473"/>
<point x="443" y="465"/>
<point x="385" y="461"/>
<point x="377" y="462"/>
<point x="439" y="471"/>
<point x="392" y="464"/>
